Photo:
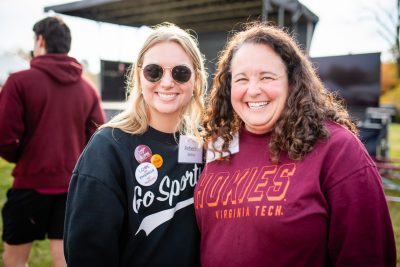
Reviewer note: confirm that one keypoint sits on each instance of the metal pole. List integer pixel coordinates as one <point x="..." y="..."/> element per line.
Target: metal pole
<point x="266" y="6"/>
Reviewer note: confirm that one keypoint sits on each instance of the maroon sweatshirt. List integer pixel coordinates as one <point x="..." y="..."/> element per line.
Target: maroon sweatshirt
<point x="47" y="115"/>
<point x="328" y="209"/>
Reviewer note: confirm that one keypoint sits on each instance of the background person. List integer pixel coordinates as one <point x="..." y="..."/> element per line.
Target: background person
<point x="131" y="196"/>
<point x="47" y="115"/>
<point x="299" y="188"/>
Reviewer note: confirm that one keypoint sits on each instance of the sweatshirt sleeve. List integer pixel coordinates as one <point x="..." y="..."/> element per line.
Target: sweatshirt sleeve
<point x="96" y="207"/>
<point x="11" y="120"/>
<point x="360" y="231"/>
<point x="94" y="218"/>
<point x="96" y="116"/>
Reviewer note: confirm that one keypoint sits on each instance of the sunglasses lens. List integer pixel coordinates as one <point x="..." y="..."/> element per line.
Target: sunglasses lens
<point x="153" y="72"/>
<point x="181" y="73"/>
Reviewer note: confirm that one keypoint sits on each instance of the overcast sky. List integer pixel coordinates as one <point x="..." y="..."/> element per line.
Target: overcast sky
<point x="345" y="26"/>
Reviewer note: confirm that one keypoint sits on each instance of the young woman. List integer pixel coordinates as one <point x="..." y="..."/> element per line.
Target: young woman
<point x="131" y="196"/>
<point x="287" y="182"/>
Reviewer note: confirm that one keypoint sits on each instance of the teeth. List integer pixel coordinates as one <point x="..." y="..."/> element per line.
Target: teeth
<point x="166" y="96"/>
<point x="257" y="105"/>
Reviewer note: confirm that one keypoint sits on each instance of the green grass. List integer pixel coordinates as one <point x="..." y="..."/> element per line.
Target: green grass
<point x="40" y="255"/>
<point x="394" y="140"/>
<point x="394" y="145"/>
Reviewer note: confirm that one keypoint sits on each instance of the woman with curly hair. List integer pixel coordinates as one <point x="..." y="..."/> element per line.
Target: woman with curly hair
<point x="287" y="182"/>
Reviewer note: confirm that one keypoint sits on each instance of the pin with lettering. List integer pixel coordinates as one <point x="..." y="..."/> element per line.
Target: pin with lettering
<point x="143" y="153"/>
<point x="189" y="150"/>
<point x="146" y="174"/>
<point x="157" y="160"/>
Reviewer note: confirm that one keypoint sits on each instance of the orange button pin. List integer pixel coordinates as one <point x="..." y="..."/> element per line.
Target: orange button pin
<point x="157" y="160"/>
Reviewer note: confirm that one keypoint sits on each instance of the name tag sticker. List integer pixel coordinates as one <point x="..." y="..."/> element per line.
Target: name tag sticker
<point x="189" y="150"/>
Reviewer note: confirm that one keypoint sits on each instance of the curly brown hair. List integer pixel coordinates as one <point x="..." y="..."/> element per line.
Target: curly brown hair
<point x="308" y="106"/>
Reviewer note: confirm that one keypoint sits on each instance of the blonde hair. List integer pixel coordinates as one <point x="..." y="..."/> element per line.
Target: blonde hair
<point x="135" y="118"/>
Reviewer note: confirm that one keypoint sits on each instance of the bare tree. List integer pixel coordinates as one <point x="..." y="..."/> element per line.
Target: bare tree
<point x="397" y="40"/>
<point x="389" y="29"/>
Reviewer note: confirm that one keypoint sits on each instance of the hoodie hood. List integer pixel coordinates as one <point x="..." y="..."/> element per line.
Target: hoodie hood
<point x="60" y="67"/>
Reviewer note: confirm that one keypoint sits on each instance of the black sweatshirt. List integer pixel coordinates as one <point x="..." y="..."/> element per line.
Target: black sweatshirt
<point x="123" y="210"/>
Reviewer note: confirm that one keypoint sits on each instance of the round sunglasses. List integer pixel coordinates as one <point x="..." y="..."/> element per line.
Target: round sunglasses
<point x="153" y="73"/>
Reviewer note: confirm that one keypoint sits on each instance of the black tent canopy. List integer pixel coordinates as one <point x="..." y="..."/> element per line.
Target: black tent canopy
<point x="203" y="16"/>
<point x="212" y="20"/>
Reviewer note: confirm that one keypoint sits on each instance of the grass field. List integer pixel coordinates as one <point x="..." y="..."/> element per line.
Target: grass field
<point x="394" y="140"/>
<point x="394" y="143"/>
<point x="40" y="255"/>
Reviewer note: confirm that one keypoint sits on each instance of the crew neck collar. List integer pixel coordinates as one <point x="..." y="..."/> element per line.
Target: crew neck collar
<point x="245" y="132"/>
<point x="169" y="138"/>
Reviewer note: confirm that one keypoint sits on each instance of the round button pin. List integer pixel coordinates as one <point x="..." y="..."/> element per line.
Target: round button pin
<point x="143" y="153"/>
<point x="157" y="160"/>
<point x="146" y="174"/>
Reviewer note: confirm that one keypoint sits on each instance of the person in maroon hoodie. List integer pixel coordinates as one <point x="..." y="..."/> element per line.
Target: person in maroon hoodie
<point x="47" y="115"/>
<point x="287" y="182"/>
